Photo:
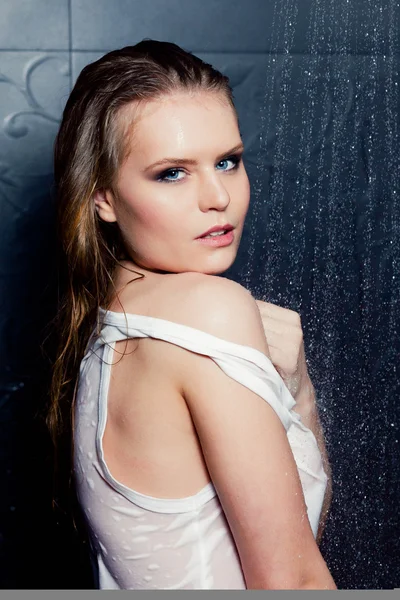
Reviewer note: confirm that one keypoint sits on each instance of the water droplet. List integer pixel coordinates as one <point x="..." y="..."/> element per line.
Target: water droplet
<point x="158" y="547"/>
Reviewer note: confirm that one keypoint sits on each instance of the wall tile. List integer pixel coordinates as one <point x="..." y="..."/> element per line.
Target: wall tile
<point x="33" y="90"/>
<point x="34" y="25"/>
<point x="210" y="25"/>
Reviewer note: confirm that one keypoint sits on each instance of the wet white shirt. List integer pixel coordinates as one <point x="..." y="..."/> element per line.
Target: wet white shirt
<point x="142" y="542"/>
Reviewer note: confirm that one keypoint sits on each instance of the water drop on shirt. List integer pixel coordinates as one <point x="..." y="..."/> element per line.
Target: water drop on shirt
<point x="157" y="547"/>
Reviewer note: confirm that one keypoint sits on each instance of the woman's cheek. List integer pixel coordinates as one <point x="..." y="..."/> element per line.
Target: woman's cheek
<point x="155" y="220"/>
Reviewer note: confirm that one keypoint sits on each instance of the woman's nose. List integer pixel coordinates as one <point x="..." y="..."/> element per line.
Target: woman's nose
<point x="213" y="193"/>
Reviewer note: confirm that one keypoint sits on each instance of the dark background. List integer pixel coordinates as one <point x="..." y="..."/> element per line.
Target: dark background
<point x="316" y="84"/>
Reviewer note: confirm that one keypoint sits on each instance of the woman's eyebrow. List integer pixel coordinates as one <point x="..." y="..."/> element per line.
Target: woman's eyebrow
<point x="190" y="161"/>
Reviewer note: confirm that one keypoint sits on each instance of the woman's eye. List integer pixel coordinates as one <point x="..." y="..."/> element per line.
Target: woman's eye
<point x="165" y="174"/>
<point x="233" y="159"/>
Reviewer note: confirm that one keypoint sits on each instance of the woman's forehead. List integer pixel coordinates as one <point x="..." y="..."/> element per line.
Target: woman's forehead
<point x="164" y="119"/>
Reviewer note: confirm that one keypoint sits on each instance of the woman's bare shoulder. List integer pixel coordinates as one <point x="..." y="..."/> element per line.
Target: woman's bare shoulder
<point x="208" y="291"/>
<point x="197" y="282"/>
<point x="216" y="305"/>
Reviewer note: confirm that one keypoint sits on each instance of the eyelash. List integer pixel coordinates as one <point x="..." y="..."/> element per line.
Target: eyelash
<point x="235" y="158"/>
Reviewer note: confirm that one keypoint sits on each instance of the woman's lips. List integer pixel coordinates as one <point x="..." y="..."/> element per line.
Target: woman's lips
<point x="216" y="241"/>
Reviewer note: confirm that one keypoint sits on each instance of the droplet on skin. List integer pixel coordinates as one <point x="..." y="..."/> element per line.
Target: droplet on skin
<point x="90" y="483"/>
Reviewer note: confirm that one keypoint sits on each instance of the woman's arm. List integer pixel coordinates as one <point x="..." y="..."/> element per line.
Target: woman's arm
<point x="247" y="452"/>
<point x="282" y="328"/>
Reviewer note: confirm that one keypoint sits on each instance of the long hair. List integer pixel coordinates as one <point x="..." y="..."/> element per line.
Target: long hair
<point x="91" y="144"/>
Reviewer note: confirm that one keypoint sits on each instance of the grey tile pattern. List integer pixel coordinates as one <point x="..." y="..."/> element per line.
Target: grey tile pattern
<point x="34" y="88"/>
<point x="211" y="25"/>
<point x="34" y="25"/>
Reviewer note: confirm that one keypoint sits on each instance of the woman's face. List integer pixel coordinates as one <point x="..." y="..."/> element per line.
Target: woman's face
<point x="162" y="209"/>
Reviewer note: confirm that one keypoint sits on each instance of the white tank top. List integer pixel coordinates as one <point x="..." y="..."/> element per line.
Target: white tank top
<point x="141" y="542"/>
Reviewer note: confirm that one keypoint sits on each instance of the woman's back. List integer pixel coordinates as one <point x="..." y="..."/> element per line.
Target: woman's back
<point x="150" y="441"/>
<point x="172" y="531"/>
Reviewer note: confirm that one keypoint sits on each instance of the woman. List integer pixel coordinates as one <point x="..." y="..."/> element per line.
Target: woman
<point x="191" y="465"/>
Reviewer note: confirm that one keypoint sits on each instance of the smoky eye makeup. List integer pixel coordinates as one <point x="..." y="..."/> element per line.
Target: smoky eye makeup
<point x="162" y="176"/>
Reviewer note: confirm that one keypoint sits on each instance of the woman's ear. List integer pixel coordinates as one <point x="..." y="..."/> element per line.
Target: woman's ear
<point x="104" y="203"/>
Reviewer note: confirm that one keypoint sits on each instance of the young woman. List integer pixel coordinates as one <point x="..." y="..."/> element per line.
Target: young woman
<point x="191" y="462"/>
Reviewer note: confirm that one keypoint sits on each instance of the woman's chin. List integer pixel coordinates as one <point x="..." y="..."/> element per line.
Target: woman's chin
<point x="222" y="264"/>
